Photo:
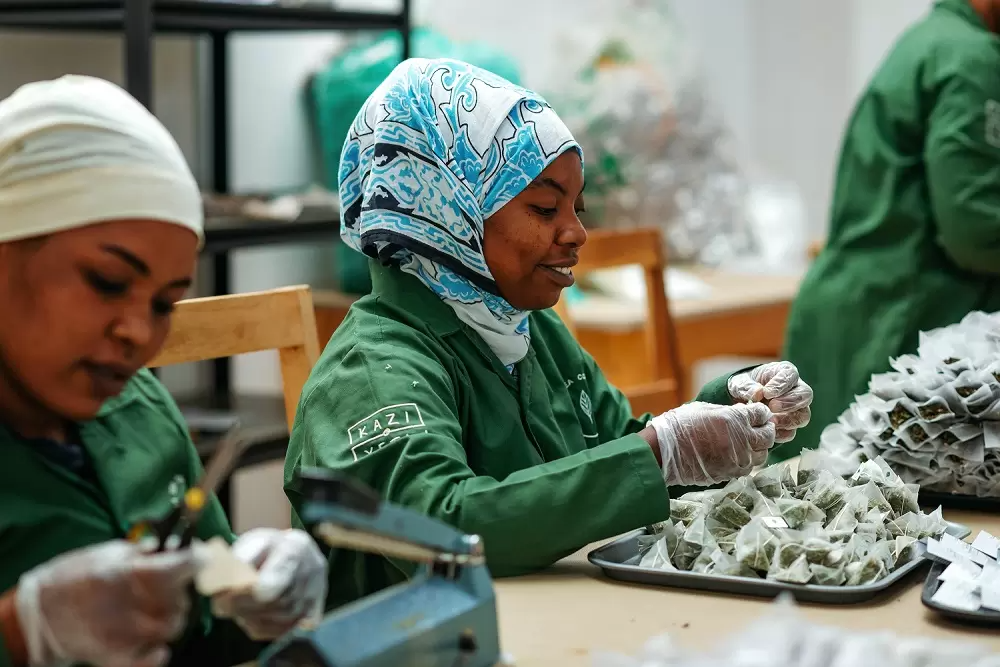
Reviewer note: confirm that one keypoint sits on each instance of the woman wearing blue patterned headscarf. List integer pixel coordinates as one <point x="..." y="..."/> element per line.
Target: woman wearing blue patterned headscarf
<point x="452" y="388"/>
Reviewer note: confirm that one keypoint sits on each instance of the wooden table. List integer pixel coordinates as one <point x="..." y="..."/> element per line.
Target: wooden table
<point x="745" y="315"/>
<point x="560" y="616"/>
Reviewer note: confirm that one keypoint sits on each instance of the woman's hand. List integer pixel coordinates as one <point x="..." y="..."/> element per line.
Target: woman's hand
<point x="109" y="604"/>
<point x="778" y="386"/>
<point x="291" y="583"/>
<point x="703" y="444"/>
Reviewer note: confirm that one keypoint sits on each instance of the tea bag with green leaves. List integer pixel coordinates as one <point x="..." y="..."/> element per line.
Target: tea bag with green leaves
<point x="775" y="481"/>
<point x="823" y="575"/>
<point x="685" y="510"/>
<point x="755" y="546"/>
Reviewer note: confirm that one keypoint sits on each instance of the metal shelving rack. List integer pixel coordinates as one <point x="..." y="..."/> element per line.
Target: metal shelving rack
<point x="139" y="20"/>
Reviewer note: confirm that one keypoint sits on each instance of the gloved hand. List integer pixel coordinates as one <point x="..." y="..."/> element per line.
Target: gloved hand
<point x="291" y="583"/>
<point x="109" y="604"/>
<point x="702" y="444"/>
<point x="778" y="386"/>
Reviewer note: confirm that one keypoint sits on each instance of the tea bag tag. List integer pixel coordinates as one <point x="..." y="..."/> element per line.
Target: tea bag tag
<point x="774" y="522"/>
<point x="987" y="544"/>
<point x="958" y="594"/>
<point x="223" y="572"/>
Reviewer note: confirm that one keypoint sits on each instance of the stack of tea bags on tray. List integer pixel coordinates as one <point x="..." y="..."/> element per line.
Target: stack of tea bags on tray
<point x="971" y="580"/>
<point x="936" y="417"/>
<point x="827" y="526"/>
<point x="783" y="638"/>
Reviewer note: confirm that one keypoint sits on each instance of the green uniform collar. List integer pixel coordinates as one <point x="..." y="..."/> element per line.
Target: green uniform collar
<point x="964" y="9"/>
<point x="403" y="291"/>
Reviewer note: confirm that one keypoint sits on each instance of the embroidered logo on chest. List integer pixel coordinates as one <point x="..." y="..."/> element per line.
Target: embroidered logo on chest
<point x="586" y="406"/>
<point x="176" y="489"/>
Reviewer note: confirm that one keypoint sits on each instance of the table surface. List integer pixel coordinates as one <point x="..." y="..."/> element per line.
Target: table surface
<point x="730" y="292"/>
<point x="560" y="616"/>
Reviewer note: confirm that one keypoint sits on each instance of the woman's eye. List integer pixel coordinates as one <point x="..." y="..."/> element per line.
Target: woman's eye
<point x="106" y="286"/>
<point x="162" y="308"/>
<point x="545" y="212"/>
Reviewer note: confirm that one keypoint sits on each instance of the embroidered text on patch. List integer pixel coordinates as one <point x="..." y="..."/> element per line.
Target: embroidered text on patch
<point x="372" y="433"/>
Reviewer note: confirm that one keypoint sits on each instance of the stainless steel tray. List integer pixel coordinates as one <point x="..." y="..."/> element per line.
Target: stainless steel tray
<point x="983" y="617"/>
<point x="619" y="560"/>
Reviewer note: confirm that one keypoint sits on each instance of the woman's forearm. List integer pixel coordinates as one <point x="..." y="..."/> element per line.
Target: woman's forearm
<point x="10" y="629"/>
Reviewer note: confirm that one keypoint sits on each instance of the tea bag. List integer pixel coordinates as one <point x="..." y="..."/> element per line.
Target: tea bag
<point x="867" y="571"/>
<point x="902" y="498"/>
<point x="796" y="573"/>
<point x="798" y="512"/>
<point x="727" y="565"/>
<point x="685" y="510"/>
<point x="875" y="498"/>
<point x="755" y="546"/>
<point x="827" y="576"/>
<point x="690" y="546"/>
<point x="904" y="550"/>
<point x="827" y="492"/>
<point x="743" y="492"/>
<point x="705" y="562"/>
<point x="931" y="525"/>
<point x="658" y="554"/>
<point x="786" y="554"/>
<point x="774" y="481"/>
<point x="729" y="514"/>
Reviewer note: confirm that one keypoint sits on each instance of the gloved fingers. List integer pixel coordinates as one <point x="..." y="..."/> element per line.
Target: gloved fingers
<point x="786" y="435"/>
<point x="800" y="396"/>
<point x="744" y="388"/>
<point x="792" y="420"/>
<point x="758" y="458"/>
<point x="264" y="630"/>
<point x="762" y="438"/>
<point x="254" y="546"/>
<point x="778" y="378"/>
<point x="294" y="566"/>
<point x="286" y="608"/>
<point x="165" y="572"/>
<point x="159" y="628"/>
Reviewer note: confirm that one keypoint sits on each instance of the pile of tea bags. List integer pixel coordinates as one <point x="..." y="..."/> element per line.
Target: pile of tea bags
<point x="783" y="638"/>
<point x="818" y="527"/>
<point x="936" y="417"/>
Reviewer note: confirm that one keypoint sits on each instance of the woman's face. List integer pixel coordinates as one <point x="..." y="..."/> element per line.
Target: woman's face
<point x="531" y="243"/>
<point x="84" y="309"/>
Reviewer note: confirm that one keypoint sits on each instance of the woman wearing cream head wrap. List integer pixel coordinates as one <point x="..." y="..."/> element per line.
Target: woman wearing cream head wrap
<point x="100" y="224"/>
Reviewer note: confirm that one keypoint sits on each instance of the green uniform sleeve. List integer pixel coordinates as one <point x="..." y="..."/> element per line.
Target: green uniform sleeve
<point x="962" y="155"/>
<point x="394" y="422"/>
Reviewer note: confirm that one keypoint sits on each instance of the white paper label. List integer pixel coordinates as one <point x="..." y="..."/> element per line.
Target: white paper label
<point x="961" y="570"/>
<point x="991" y="434"/>
<point x="774" y="522"/>
<point x="991" y="598"/>
<point x="987" y="544"/>
<point x="961" y="548"/>
<point x="940" y="553"/>
<point x="959" y="595"/>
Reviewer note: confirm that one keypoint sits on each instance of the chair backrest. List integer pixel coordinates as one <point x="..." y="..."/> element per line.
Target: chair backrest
<point x="608" y="248"/>
<point x="224" y="326"/>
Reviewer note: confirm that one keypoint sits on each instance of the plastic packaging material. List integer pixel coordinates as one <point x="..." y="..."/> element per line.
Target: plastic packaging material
<point x="935" y="418"/>
<point x="785" y="638"/>
<point x="658" y="150"/>
<point x="826" y="527"/>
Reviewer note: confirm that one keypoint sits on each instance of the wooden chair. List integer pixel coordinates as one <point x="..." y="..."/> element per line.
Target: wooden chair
<point x="614" y="248"/>
<point x="226" y="326"/>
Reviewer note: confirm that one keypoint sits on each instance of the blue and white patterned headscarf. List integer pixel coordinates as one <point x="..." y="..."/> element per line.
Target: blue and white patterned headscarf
<point x="437" y="149"/>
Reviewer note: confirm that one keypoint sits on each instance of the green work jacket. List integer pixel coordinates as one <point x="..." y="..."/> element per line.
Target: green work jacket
<point x="411" y="401"/>
<point x="914" y="239"/>
<point x="143" y="461"/>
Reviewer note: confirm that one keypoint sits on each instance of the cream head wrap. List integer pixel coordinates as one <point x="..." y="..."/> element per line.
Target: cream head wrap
<point x="79" y="150"/>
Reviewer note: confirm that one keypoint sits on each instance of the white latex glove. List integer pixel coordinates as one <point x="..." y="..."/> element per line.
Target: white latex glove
<point x="109" y="604"/>
<point x="778" y="386"/>
<point x="291" y="583"/>
<point x="702" y="444"/>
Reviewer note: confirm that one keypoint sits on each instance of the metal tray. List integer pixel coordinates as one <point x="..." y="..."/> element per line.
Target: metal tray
<point x="954" y="501"/>
<point x="619" y="560"/>
<point x="982" y="617"/>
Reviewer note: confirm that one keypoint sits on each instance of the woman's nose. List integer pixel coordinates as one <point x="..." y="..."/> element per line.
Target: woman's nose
<point x="573" y="233"/>
<point x="136" y="331"/>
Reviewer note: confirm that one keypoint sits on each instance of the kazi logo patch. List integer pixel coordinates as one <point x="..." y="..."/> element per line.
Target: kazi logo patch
<point x="373" y="432"/>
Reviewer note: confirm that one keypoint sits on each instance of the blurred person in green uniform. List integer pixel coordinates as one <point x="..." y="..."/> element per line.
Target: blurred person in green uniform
<point x="453" y="388"/>
<point x="100" y="224"/>
<point x="914" y="240"/>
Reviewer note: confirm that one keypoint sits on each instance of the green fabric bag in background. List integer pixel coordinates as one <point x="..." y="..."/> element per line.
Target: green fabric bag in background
<point x="337" y="92"/>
